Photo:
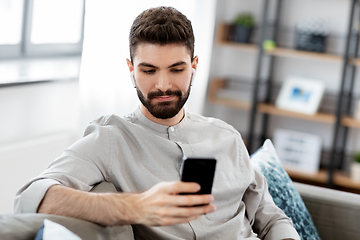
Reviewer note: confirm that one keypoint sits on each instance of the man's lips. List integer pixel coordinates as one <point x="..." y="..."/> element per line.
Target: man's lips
<point x="164" y="98"/>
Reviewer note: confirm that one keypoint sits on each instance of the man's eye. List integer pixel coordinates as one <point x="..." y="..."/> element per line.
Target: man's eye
<point x="149" y="71"/>
<point x="177" y="70"/>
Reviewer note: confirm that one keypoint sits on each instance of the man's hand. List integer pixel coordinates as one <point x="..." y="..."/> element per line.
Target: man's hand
<point x="162" y="204"/>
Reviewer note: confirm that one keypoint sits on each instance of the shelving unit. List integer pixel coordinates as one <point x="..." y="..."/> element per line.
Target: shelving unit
<point x="340" y="120"/>
<point x="340" y="179"/>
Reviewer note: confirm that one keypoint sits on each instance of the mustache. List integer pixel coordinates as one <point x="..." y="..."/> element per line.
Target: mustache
<point x="160" y="93"/>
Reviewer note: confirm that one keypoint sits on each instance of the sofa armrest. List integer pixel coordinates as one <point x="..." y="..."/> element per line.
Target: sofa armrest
<point x="335" y="213"/>
<point x="25" y="226"/>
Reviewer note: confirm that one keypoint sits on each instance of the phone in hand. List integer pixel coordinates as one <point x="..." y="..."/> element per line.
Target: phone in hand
<point x="201" y="171"/>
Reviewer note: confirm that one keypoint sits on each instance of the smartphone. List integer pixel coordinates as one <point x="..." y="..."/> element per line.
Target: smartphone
<point x="201" y="171"/>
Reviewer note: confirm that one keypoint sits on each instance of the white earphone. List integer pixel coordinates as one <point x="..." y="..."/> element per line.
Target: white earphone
<point x="191" y="83"/>
<point x="193" y="77"/>
<point x="132" y="79"/>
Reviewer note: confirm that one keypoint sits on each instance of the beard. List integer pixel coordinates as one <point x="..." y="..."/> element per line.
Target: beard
<point x="164" y="110"/>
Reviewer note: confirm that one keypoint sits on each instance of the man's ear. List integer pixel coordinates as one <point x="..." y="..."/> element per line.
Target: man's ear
<point x="130" y="65"/>
<point x="195" y="62"/>
<point x="194" y="67"/>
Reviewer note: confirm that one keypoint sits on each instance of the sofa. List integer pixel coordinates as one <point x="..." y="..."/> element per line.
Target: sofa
<point x="317" y="212"/>
<point x="334" y="213"/>
<point x="26" y="226"/>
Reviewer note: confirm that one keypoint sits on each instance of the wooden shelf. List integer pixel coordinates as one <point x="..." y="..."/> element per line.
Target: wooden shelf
<point x="217" y="84"/>
<point x="340" y="179"/>
<point x="223" y="40"/>
<point x="343" y="180"/>
<point x="319" y="177"/>
<point x="284" y="52"/>
<point x="232" y="103"/>
<point x="273" y="110"/>
<point x="240" y="46"/>
<point x="317" y="117"/>
<point x="223" y="36"/>
<point x="355" y="61"/>
<point x="350" y="122"/>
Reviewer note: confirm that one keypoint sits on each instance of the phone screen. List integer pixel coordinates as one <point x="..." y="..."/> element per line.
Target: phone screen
<point x="199" y="170"/>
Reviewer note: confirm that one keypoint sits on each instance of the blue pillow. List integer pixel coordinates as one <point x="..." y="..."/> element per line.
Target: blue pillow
<point x="283" y="191"/>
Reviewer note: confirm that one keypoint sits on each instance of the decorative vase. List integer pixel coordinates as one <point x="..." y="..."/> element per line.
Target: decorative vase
<point x="355" y="171"/>
<point x="242" y="34"/>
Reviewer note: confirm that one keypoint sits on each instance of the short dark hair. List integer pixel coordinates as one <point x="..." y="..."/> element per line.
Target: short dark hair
<point x="161" y="25"/>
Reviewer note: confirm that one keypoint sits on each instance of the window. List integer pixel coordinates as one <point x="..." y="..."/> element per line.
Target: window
<point x="41" y="27"/>
<point x="11" y="18"/>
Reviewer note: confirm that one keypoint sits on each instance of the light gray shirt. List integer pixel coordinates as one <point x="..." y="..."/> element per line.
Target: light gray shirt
<point x="135" y="153"/>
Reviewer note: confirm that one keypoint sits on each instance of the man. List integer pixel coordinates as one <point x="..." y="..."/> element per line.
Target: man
<point x="142" y="154"/>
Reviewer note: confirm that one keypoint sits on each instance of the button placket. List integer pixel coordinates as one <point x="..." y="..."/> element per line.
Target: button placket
<point x="180" y="163"/>
<point x="171" y="134"/>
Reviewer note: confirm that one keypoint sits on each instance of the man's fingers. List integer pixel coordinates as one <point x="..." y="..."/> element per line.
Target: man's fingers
<point x="162" y="204"/>
<point x="172" y="190"/>
<point x="192" y="211"/>
<point x="176" y="215"/>
<point x="191" y="200"/>
<point x="179" y="187"/>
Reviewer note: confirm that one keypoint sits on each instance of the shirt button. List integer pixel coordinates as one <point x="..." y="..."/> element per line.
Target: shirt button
<point x="171" y="129"/>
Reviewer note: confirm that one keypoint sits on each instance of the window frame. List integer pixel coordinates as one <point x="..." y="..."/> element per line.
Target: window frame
<point x="26" y="49"/>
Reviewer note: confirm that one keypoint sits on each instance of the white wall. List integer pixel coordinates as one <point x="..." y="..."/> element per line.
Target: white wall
<point x="34" y="110"/>
<point x="46" y="111"/>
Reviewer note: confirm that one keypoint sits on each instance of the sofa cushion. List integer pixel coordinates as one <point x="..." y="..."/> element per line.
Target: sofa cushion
<point x="25" y="227"/>
<point x="283" y="191"/>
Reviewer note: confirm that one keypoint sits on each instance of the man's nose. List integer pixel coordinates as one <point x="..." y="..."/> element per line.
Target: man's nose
<point x="163" y="82"/>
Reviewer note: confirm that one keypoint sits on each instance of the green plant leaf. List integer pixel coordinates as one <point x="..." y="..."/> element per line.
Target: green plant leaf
<point x="245" y="20"/>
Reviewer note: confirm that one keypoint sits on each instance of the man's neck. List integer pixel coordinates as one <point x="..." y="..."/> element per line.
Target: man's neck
<point x="167" y="122"/>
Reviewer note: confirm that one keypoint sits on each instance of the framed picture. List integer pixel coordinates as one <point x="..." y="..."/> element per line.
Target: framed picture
<point x="300" y="94"/>
<point x="298" y="151"/>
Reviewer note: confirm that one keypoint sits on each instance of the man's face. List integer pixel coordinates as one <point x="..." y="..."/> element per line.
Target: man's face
<point x="163" y="78"/>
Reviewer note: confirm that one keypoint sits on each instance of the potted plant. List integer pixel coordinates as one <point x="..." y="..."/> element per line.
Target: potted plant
<point x="242" y="27"/>
<point x="355" y="167"/>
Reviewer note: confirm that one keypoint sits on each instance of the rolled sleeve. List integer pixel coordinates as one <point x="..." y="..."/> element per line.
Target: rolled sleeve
<point x="29" y="197"/>
<point x="81" y="166"/>
<point x="282" y="231"/>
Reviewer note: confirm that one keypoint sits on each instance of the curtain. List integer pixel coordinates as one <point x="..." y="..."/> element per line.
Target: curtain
<point x="105" y="86"/>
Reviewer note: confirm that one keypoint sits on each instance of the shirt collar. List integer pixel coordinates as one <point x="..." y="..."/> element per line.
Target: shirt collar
<point x="158" y="127"/>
